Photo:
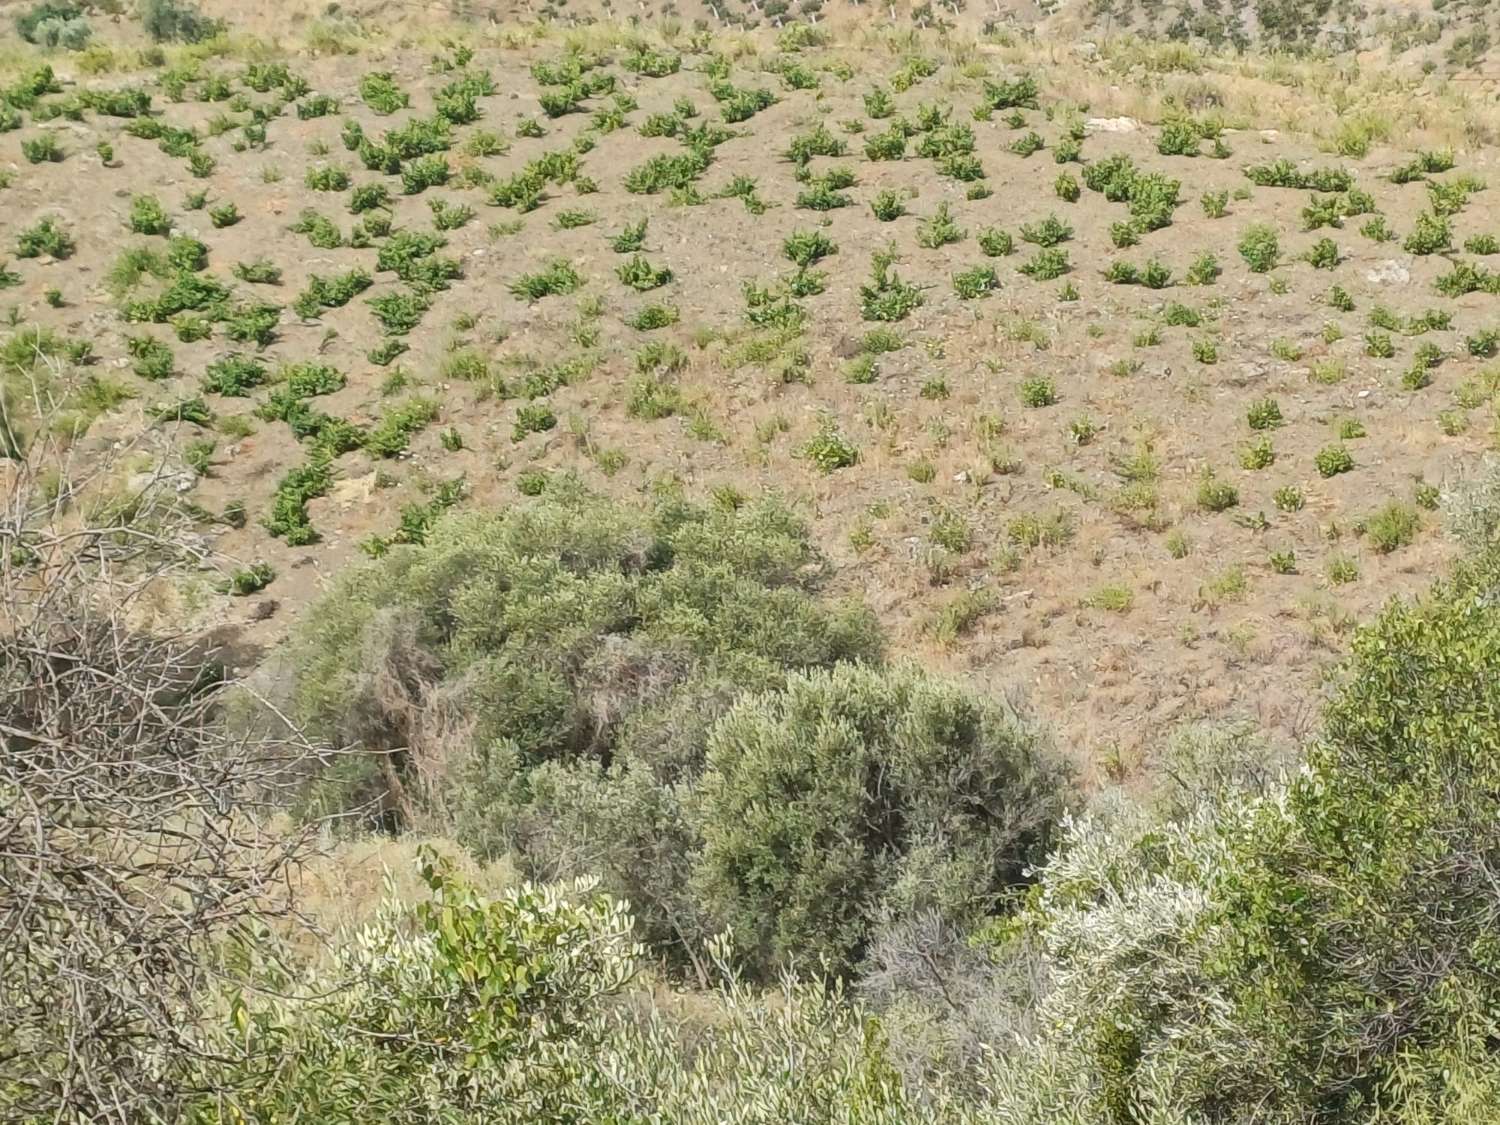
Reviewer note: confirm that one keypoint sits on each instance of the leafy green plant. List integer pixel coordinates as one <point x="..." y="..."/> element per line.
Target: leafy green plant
<point x="888" y="205"/>
<point x="42" y="149"/>
<point x="653" y="317"/>
<point x="45" y="237"/>
<point x="320" y="230"/>
<point x="379" y="91"/>
<point x="399" y="313"/>
<point x="1288" y="498"/>
<point x="1323" y="254"/>
<point x="1393" y="526"/>
<point x="328" y="177"/>
<point x="1432" y="234"/>
<point x="996" y="243"/>
<point x="1038" y="391"/>
<point x="828" y="449"/>
<point x="532" y="418"/>
<point x="1341" y="570"/>
<point x="939" y="230"/>
<point x="886" y="297"/>
<point x="1047" y="232"/>
<point x="224" y="215"/>
<point x="1215" y="495"/>
<point x="631" y="239"/>
<point x="261" y="271"/>
<point x="147" y="216"/>
<point x="977" y="282"/>
<point x="153" y="359"/>
<point x="1332" y="460"/>
<point x="249" y="580"/>
<point x="807" y="247"/>
<point x="1260" y="248"/>
<point x="1259" y="454"/>
<point x="234" y="376"/>
<point x="664" y="172"/>
<point x="641" y="275"/>
<point x="1027" y="143"/>
<point x="556" y="279"/>
<point x="1046" y="264"/>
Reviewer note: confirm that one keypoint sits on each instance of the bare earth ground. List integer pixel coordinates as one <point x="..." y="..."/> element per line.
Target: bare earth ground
<point x="1217" y="633"/>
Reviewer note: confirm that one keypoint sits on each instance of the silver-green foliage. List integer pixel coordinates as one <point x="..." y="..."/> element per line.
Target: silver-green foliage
<point x="861" y="791"/>
<point x="521" y="1010"/>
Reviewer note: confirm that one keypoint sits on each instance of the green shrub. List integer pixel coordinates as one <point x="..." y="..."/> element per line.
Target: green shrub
<point x="1260" y="454"/>
<point x="631" y="239"/>
<point x="320" y="230"/>
<point x="1323" y="254"/>
<point x="1260" y="248"/>
<point x="820" y="804"/>
<point x="828" y="449"/>
<point x="977" y="282"/>
<point x="42" y="149"/>
<point x="1332" y="460"/>
<point x="939" y="230"/>
<point x="1285" y="174"/>
<point x="45" y="237"/>
<point x="288" y="518"/>
<point x="177" y="21"/>
<point x="1393" y="526"/>
<point x="379" y="91"/>
<point x="665" y="172"/>
<point x="558" y="278"/>
<point x="225" y="215"/>
<point x="147" y="216"/>
<point x="1038" y="391"/>
<point x="1400" y="769"/>
<point x="806" y="247"/>
<point x="1027" y="143"/>
<point x="153" y="359"/>
<point x="397" y="424"/>
<point x="532" y="418"/>
<point x="249" y="580"/>
<point x="888" y="206"/>
<point x="261" y="271"/>
<point x="1215" y="495"/>
<point x="886" y="297"/>
<point x="1432" y="234"/>
<point x="234" y="375"/>
<point x="641" y="275"/>
<point x="1048" y="232"/>
<point x="889" y="145"/>
<point x="328" y="177"/>
<point x="252" y="322"/>
<point x="535" y="615"/>
<point x="821" y="195"/>
<point x="51" y="24"/>
<point x="996" y="243"/>
<point x="1046" y="264"/>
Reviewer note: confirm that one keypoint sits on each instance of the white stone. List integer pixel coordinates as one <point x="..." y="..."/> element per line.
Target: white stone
<point x="1388" y="272"/>
<point x="1111" y="125"/>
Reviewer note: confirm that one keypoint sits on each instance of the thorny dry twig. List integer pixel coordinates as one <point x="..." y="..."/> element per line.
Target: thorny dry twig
<point x="134" y="823"/>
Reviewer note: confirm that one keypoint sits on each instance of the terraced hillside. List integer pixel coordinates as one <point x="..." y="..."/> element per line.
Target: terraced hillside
<point x="1114" y="382"/>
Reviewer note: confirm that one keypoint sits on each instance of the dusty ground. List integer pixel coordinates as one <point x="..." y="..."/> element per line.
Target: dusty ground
<point x="1109" y="636"/>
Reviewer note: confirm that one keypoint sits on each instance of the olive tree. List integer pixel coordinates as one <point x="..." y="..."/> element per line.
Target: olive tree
<point x="859" y="793"/>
